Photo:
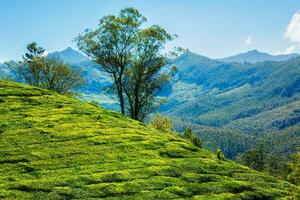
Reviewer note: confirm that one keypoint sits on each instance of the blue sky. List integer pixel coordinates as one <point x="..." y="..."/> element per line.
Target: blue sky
<point x="213" y="28"/>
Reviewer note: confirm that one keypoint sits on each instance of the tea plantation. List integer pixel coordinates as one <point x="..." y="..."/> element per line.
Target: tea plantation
<point x="56" y="147"/>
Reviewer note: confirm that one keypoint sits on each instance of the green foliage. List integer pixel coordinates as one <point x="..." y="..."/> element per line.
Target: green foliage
<point x="50" y="74"/>
<point x="255" y="158"/>
<point x="110" y="45"/>
<point x="188" y="133"/>
<point x="34" y="52"/>
<point x="194" y="138"/>
<point x="162" y="123"/>
<point x="263" y="159"/>
<point x="132" y="56"/>
<point x="220" y="154"/>
<point x="143" y="78"/>
<point x="95" y="103"/>
<point x="56" y="147"/>
<point x="196" y="141"/>
<point x="235" y="106"/>
<point x="294" y="165"/>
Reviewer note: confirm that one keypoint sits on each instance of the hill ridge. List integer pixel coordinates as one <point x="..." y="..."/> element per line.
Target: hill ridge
<point x="254" y="56"/>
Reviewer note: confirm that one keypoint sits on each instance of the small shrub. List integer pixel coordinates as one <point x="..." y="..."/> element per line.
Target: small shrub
<point x="59" y="105"/>
<point x="196" y="141"/>
<point x="172" y="153"/>
<point x="95" y="103"/>
<point x="188" y="133"/>
<point x="2" y="128"/>
<point x="27" y="168"/>
<point x="220" y="154"/>
<point x="162" y="123"/>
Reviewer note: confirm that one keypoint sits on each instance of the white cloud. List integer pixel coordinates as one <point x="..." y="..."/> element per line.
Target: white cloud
<point x="288" y="50"/>
<point x="249" y="40"/>
<point x="293" y="29"/>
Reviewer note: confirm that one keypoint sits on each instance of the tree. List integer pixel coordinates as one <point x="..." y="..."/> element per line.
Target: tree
<point x="255" y="158"/>
<point x="111" y="44"/>
<point x="143" y="79"/>
<point x="59" y="76"/>
<point x="34" y="52"/>
<point x="30" y="69"/>
<point x="52" y="74"/>
<point x="131" y="56"/>
<point x="294" y="165"/>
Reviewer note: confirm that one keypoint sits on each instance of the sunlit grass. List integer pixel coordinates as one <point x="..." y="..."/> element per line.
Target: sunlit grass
<point x="56" y="147"/>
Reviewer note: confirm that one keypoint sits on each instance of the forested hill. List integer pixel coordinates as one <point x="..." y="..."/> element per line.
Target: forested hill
<point x="56" y="147"/>
<point x="232" y="100"/>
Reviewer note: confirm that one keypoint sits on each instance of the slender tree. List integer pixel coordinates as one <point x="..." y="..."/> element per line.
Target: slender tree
<point x="111" y="44"/>
<point x="34" y="52"/>
<point x="30" y="69"/>
<point x="132" y="56"/>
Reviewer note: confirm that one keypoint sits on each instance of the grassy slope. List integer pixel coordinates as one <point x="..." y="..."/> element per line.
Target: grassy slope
<point x="55" y="147"/>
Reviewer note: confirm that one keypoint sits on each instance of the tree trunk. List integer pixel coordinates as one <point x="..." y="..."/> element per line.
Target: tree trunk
<point x="121" y="99"/>
<point x="136" y="104"/>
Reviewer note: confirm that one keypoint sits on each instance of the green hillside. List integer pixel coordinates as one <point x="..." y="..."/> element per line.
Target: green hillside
<point x="56" y="147"/>
<point x="234" y="106"/>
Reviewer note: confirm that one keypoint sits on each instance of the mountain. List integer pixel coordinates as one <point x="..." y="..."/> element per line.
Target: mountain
<point x="4" y="70"/>
<point x="69" y="56"/>
<point x="56" y="147"/>
<point x="97" y="82"/>
<point x="254" y="56"/>
<point x="225" y="101"/>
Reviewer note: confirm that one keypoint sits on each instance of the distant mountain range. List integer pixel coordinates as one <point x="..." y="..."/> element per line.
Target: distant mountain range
<point x="74" y="57"/>
<point x="254" y="56"/>
<point x="234" y="105"/>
